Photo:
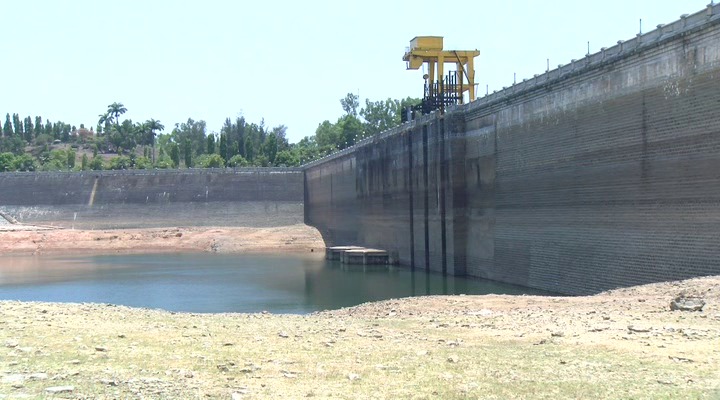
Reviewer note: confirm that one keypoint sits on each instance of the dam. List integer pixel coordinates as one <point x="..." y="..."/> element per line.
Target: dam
<point x="599" y="174"/>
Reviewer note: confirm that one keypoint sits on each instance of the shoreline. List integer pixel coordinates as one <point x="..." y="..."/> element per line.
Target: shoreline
<point x="31" y="240"/>
<point x="624" y="343"/>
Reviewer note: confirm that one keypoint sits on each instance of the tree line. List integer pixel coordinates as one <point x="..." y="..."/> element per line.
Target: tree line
<point x="31" y="144"/>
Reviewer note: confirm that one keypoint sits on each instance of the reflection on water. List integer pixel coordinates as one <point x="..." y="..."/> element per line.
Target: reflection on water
<point x="223" y="283"/>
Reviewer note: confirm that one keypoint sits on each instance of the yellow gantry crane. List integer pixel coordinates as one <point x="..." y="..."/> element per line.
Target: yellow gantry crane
<point x="442" y="90"/>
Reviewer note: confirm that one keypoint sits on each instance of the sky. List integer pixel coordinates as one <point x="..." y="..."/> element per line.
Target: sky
<point x="287" y="62"/>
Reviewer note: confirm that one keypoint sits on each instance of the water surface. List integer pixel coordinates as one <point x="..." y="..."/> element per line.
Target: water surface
<point x="223" y="283"/>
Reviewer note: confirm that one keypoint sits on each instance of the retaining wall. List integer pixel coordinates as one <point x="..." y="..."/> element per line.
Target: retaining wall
<point x="131" y="199"/>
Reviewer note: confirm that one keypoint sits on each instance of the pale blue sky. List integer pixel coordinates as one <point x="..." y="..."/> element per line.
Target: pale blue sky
<point x="287" y="62"/>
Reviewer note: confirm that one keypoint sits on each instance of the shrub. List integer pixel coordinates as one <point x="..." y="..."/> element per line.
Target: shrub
<point x="120" y="162"/>
<point x="96" y="164"/>
<point x="210" y="161"/>
<point x="7" y="161"/>
<point x="237" y="161"/>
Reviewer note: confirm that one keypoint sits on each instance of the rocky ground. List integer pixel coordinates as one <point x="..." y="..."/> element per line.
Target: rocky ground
<point x="622" y="344"/>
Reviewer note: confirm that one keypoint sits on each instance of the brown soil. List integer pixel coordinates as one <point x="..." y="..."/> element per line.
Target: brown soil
<point x="22" y="239"/>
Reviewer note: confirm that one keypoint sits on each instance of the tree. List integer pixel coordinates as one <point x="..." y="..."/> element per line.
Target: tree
<point x="210" y="144"/>
<point x="351" y="130"/>
<point x="116" y="110"/>
<point x="71" y="158"/>
<point x="379" y="116"/>
<point x="29" y="135"/>
<point x="223" y="146"/>
<point x="287" y="158"/>
<point x="193" y="133"/>
<point x="39" y="126"/>
<point x="249" y="149"/>
<point x="104" y="120"/>
<point x="350" y="104"/>
<point x="270" y="147"/>
<point x="84" y="163"/>
<point x="17" y="126"/>
<point x="7" y="127"/>
<point x="153" y="125"/>
<point x="188" y="154"/>
<point x="175" y="155"/>
<point x="328" y="134"/>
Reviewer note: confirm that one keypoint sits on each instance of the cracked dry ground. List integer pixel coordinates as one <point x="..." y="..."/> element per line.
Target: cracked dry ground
<point x="620" y="344"/>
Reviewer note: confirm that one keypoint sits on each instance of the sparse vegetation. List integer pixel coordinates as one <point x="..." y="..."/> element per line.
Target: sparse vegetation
<point x="490" y="347"/>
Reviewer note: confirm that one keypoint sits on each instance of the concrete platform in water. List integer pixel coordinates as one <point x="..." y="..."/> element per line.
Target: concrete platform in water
<point x="357" y="255"/>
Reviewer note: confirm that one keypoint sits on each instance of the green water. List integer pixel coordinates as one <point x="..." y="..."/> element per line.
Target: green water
<point x="211" y="283"/>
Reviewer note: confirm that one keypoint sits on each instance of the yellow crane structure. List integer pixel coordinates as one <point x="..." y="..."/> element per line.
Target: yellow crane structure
<point x="442" y="90"/>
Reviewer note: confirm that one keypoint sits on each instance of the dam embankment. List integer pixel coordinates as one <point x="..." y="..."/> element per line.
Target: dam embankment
<point x="258" y="197"/>
<point x="599" y="174"/>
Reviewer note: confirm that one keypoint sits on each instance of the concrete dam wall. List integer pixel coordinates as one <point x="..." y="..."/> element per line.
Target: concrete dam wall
<point x="600" y="174"/>
<point x="155" y="198"/>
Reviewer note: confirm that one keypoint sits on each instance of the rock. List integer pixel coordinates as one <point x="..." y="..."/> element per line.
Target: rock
<point x="100" y="348"/>
<point x="283" y="334"/>
<point x="682" y="303"/>
<point x="680" y="359"/>
<point x="108" y="382"/>
<point x="353" y="377"/>
<point x="453" y="359"/>
<point x="636" y="329"/>
<point x="557" y="334"/>
<point x="12" y="343"/>
<point x="14" y="378"/>
<point x="60" y="389"/>
<point x="40" y="376"/>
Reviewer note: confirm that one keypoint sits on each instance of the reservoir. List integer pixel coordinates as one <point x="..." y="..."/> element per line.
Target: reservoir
<point x="213" y="283"/>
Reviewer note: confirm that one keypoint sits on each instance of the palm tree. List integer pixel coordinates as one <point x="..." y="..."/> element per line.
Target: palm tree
<point x="116" y="109"/>
<point x="153" y="125"/>
<point x="104" y="120"/>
